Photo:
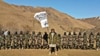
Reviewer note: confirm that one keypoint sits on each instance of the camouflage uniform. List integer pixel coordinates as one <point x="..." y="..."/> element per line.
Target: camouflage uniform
<point x="8" y="40"/>
<point x="15" y="41"/>
<point x="85" y="41"/>
<point x="91" y="40"/>
<point x="1" y="41"/>
<point x="98" y="40"/>
<point x="26" y="40"/>
<point x="80" y="40"/>
<point x="33" y="36"/>
<point x="20" y="40"/>
<point x="54" y="39"/>
<point x="75" y="40"/>
<point x="64" y="41"/>
<point x="70" y="41"/>
<point x="39" y="40"/>
<point x="58" y="42"/>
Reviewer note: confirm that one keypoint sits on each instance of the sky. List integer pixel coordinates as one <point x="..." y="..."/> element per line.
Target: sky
<point x="75" y="8"/>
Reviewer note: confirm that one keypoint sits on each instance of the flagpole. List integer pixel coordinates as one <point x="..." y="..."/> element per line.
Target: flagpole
<point x="47" y="16"/>
<point x="48" y="29"/>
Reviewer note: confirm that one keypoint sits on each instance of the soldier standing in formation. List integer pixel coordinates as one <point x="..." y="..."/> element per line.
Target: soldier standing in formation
<point x="75" y="39"/>
<point x="58" y="42"/>
<point x="91" y="41"/>
<point x="98" y="41"/>
<point x="1" y="40"/>
<point x="80" y="40"/>
<point x="33" y="39"/>
<point x="45" y="40"/>
<point x="64" y="41"/>
<point x="39" y="40"/>
<point x="70" y="39"/>
<point x="85" y="41"/>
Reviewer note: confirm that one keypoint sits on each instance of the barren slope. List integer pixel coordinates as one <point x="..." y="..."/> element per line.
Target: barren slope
<point x="94" y="21"/>
<point x="16" y="18"/>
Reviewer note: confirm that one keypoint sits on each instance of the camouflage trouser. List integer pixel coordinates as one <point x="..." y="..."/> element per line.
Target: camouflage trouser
<point x="64" y="45"/>
<point x="8" y="45"/>
<point x="2" y="45"/>
<point x="30" y="44"/>
<point x="39" y="43"/>
<point x="45" y="44"/>
<point x="98" y="44"/>
<point x="34" y="43"/>
<point x="80" y="44"/>
<point x="85" y="45"/>
<point x="91" y="45"/>
<point x="70" y="44"/>
<point x="75" y="44"/>
<point x="15" y="45"/>
<point x="20" y="45"/>
<point x="25" y="45"/>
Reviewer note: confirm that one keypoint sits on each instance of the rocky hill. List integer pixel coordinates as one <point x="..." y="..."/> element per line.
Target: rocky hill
<point x="94" y="21"/>
<point x="16" y="18"/>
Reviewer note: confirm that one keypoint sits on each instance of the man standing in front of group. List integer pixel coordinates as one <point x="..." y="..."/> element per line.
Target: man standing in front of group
<point x="52" y="41"/>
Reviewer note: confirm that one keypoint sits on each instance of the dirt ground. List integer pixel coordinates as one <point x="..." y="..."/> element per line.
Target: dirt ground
<point x="44" y="52"/>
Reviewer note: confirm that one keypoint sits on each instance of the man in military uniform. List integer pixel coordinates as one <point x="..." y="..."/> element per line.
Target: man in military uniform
<point x="33" y="36"/>
<point x="1" y="40"/>
<point x="45" y="40"/>
<point x="98" y="41"/>
<point x="70" y="41"/>
<point x="91" y="40"/>
<point x="26" y="39"/>
<point x="85" y="41"/>
<point x="15" y="41"/>
<point x="74" y="41"/>
<point x="52" y="40"/>
<point x="58" y="42"/>
<point x="20" y="38"/>
<point x="80" y="40"/>
<point x="12" y="40"/>
<point x="8" y="40"/>
<point x="64" y="41"/>
<point x="39" y="40"/>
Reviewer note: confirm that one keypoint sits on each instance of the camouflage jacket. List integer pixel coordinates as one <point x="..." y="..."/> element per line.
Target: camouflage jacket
<point x="53" y="40"/>
<point x="97" y="38"/>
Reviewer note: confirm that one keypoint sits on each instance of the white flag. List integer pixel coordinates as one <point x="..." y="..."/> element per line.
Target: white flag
<point x="44" y="23"/>
<point x="42" y="18"/>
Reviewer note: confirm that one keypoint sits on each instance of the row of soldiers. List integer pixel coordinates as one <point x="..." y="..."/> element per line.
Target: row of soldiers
<point x="81" y="41"/>
<point x="35" y="41"/>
